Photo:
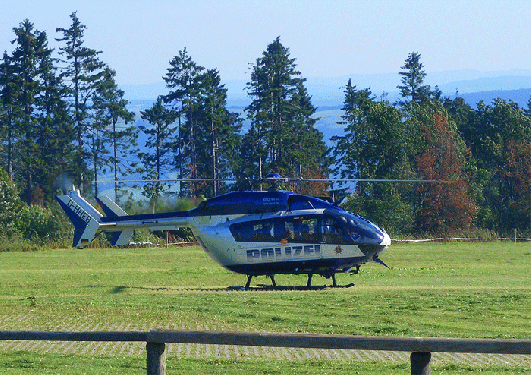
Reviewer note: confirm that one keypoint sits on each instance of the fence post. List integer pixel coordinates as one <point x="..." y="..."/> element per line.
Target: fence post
<point x="420" y="363"/>
<point x="156" y="358"/>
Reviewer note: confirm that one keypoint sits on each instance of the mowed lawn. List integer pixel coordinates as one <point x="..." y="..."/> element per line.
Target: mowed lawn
<point x="472" y="290"/>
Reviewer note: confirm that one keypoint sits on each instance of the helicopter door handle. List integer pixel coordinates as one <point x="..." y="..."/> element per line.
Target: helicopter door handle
<point x="150" y="221"/>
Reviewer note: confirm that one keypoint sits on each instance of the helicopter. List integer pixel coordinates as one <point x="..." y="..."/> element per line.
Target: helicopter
<point x="254" y="233"/>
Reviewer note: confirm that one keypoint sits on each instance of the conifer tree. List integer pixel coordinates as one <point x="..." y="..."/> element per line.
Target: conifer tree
<point x="113" y="119"/>
<point x="34" y="122"/>
<point x="282" y="137"/>
<point x="9" y="112"/>
<point x="159" y="146"/>
<point x="219" y="131"/>
<point x="81" y="72"/>
<point x="413" y="80"/>
<point x="43" y="130"/>
<point x="208" y="132"/>
<point x="55" y="133"/>
<point x="29" y="44"/>
<point x="182" y="80"/>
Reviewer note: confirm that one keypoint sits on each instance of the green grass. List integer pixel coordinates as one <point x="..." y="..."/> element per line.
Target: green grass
<point x="34" y="363"/>
<point x="473" y="290"/>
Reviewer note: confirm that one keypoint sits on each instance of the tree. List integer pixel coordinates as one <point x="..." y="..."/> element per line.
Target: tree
<point x="349" y="150"/>
<point x="54" y="134"/>
<point x="498" y="140"/>
<point x="158" y="145"/>
<point x="82" y="70"/>
<point x="208" y="132"/>
<point x="34" y="119"/>
<point x="117" y="138"/>
<point x="518" y="175"/>
<point x="182" y="80"/>
<point x="284" y="138"/>
<point x="412" y="80"/>
<point x="219" y="130"/>
<point x="29" y="44"/>
<point x="446" y="206"/>
<point x="10" y="205"/>
<point x="374" y="146"/>
<point x="9" y="111"/>
<point x="37" y="111"/>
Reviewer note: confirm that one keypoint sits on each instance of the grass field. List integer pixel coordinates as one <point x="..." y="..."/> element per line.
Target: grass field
<point x="473" y="290"/>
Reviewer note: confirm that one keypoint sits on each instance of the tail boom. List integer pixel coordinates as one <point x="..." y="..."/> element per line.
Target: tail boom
<point x="87" y="220"/>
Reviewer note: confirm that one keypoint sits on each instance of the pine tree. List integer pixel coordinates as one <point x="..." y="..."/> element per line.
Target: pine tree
<point x="219" y="131"/>
<point x="111" y="119"/>
<point x="34" y="122"/>
<point x="182" y="80"/>
<point x="25" y="63"/>
<point x="413" y="80"/>
<point x="82" y="70"/>
<point x="284" y="138"/>
<point x="31" y="65"/>
<point x="55" y="133"/>
<point x="208" y="132"/>
<point x="9" y="111"/>
<point x="158" y="144"/>
<point x="348" y="151"/>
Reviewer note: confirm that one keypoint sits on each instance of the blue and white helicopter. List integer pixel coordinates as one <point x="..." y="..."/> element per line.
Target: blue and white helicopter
<point x="254" y="233"/>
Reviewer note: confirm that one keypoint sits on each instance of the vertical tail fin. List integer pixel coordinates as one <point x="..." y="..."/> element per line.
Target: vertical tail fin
<point x="83" y="215"/>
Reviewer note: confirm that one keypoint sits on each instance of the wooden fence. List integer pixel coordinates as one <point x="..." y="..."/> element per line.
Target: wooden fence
<point x="420" y="348"/>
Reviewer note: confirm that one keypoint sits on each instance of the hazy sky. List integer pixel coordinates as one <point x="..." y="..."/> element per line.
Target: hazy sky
<point x="328" y="38"/>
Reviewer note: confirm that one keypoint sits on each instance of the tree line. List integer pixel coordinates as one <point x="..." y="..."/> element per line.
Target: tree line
<point x="66" y="114"/>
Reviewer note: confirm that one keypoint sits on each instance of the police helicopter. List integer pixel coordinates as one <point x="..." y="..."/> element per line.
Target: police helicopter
<point x="254" y="233"/>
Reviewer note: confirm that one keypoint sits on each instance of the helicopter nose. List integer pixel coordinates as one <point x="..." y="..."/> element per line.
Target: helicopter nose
<point x="386" y="240"/>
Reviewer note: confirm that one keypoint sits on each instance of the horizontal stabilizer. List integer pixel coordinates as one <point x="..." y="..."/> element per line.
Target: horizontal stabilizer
<point x="111" y="209"/>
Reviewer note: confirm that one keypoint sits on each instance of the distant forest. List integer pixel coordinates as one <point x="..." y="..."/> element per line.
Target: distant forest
<point x="62" y="113"/>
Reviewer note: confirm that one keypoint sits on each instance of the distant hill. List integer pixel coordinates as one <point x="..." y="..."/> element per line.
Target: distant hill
<point x="328" y="93"/>
<point x="521" y="96"/>
<point x="472" y="85"/>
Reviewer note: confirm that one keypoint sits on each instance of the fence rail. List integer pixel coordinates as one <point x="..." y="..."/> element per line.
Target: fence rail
<point x="156" y="340"/>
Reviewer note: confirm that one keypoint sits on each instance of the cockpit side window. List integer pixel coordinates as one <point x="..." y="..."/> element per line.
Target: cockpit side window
<point x="334" y="232"/>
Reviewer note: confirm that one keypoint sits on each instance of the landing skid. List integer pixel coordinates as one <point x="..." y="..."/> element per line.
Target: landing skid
<point x="259" y="287"/>
<point x="274" y="285"/>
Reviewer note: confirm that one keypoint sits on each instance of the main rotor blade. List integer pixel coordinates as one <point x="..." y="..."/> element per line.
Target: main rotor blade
<point x="365" y="180"/>
<point x="168" y="180"/>
<point x="283" y="179"/>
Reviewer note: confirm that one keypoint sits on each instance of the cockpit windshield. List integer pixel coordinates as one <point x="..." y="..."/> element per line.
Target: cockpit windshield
<point x="357" y="227"/>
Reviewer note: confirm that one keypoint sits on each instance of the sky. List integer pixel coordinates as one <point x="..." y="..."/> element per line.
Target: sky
<point x="328" y="38"/>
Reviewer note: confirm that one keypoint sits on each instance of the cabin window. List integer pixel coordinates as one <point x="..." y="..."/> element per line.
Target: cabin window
<point x="293" y="229"/>
<point x="300" y="229"/>
<point x="253" y="231"/>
